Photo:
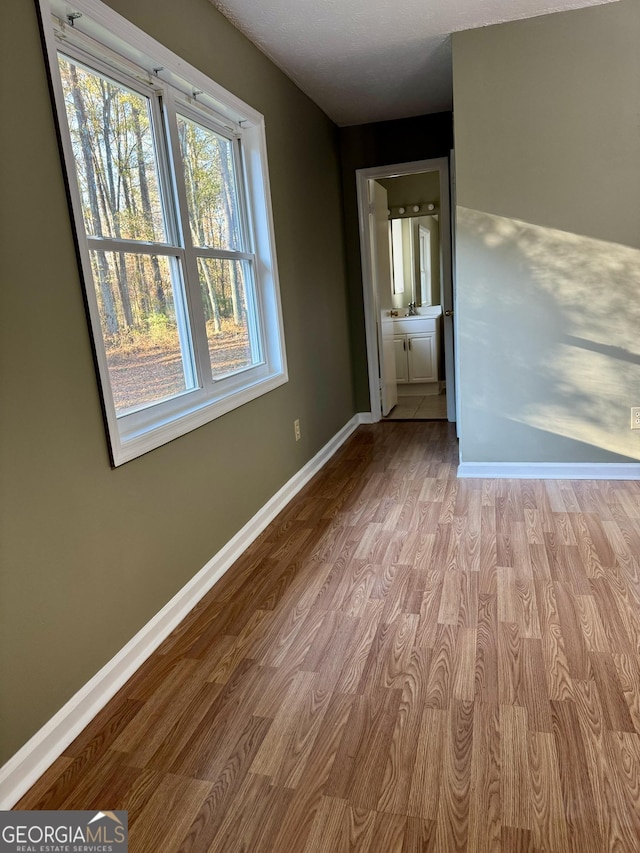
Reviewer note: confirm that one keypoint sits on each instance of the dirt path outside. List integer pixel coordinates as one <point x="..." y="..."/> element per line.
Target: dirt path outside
<point x="139" y="378"/>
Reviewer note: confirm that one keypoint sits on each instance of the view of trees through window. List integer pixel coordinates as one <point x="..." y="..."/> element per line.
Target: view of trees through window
<point x="140" y="293"/>
<point x="212" y="201"/>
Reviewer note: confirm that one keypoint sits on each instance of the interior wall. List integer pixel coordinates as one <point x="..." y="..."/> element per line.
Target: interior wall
<point x="89" y="554"/>
<point x="548" y="236"/>
<point x="364" y="147"/>
<point x="413" y="189"/>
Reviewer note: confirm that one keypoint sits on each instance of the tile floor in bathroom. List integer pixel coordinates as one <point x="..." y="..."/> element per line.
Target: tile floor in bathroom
<point x="432" y="407"/>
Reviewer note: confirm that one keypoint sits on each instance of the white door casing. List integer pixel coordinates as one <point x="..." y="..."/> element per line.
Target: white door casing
<point x="381" y="266"/>
<point x="448" y="299"/>
<point x="364" y="177"/>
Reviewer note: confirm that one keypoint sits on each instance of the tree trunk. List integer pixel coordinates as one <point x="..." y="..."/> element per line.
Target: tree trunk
<point x="215" y="310"/>
<point x="194" y="207"/>
<point x="114" y="203"/>
<point x="231" y="216"/>
<point x="147" y="213"/>
<point x="102" y="267"/>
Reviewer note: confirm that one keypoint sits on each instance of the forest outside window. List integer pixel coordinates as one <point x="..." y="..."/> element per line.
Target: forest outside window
<point x="167" y="176"/>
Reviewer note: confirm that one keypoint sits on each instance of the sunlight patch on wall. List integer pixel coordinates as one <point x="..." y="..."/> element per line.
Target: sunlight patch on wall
<point x="548" y="334"/>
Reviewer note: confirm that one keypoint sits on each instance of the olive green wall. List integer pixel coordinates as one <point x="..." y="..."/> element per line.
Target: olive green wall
<point x="406" y="190"/>
<point x="89" y="554"/>
<point x="363" y="147"/>
<point x="547" y="113"/>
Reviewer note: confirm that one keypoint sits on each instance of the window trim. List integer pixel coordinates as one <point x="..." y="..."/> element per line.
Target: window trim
<point x="105" y="40"/>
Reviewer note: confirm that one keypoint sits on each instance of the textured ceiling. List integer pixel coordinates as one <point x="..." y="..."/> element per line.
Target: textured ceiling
<point x="372" y="60"/>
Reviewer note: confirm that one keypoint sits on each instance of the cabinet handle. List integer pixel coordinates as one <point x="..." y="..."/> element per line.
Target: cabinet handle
<point x="409" y="343"/>
<point x="404" y="344"/>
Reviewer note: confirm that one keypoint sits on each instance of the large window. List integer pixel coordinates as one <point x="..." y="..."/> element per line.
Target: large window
<point x="168" y="181"/>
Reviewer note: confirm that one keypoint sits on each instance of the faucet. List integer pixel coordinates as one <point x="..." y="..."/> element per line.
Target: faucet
<point x="413" y="309"/>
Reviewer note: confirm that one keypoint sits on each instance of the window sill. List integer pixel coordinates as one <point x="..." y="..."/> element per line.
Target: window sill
<point x="129" y="445"/>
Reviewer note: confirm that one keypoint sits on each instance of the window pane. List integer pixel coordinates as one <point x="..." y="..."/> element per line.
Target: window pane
<point x="211" y="187"/>
<point x="231" y="334"/>
<point x="148" y="350"/>
<point x="114" y="154"/>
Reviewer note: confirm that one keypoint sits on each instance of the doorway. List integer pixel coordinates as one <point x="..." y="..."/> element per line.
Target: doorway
<point x="382" y="306"/>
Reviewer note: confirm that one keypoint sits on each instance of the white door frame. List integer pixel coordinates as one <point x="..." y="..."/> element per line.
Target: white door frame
<point x="363" y="176"/>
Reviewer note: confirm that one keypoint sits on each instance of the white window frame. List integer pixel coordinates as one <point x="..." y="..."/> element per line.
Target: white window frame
<point x="95" y="35"/>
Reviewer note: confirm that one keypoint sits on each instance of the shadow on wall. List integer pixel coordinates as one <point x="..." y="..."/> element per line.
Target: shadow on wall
<point x="548" y="337"/>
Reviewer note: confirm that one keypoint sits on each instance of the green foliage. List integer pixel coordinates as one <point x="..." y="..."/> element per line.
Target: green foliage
<point x="156" y="331"/>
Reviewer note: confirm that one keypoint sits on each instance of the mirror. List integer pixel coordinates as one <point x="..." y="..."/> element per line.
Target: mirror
<point x="415" y="260"/>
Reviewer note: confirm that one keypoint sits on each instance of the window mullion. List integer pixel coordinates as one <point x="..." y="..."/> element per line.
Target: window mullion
<point x="178" y="260"/>
<point x="257" y="331"/>
<point x="139" y="247"/>
<point x="246" y="235"/>
<point x="224" y="254"/>
<point x="191" y="272"/>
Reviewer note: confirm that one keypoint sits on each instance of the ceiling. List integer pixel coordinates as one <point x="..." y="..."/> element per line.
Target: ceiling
<point x="373" y="60"/>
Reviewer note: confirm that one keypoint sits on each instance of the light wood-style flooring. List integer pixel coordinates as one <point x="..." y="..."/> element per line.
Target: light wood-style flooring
<point x="403" y="661"/>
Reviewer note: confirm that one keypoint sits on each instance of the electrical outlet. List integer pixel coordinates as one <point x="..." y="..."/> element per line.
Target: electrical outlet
<point x="296" y="428"/>
<point x="635" y="417"/>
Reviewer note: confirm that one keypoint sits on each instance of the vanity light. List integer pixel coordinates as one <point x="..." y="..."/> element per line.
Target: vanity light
<point x="401" y="210"/>
<point x="416" y="208"/>
<point x="431" y="207"/>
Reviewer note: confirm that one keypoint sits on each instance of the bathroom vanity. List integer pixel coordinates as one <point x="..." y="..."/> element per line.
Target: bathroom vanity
<point x="417" y="351"/>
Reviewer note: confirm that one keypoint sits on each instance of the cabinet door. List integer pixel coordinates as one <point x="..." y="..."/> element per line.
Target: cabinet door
<point x="421" y="350"/>
<point x="400" y="345"/>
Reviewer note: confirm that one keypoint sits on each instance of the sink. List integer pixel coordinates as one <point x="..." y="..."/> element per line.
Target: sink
<point x="426" y="311"/>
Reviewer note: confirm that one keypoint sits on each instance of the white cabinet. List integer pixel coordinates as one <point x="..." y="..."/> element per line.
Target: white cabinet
<point x="422" y="357"/>
<point x="416" y="357"/>
<point x="417" y="344"/>
<point x="402" y="363"/>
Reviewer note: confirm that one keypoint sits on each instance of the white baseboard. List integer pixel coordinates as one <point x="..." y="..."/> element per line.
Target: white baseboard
<point x="30" y="762"/>
<point x="364" y="418"/>
<point x="551" y="470"/>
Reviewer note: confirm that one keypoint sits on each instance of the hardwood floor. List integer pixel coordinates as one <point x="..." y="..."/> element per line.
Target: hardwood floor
<point x="403" y="661"/>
